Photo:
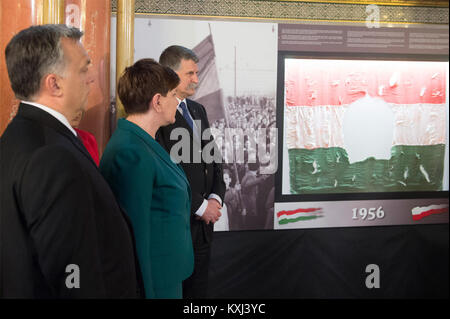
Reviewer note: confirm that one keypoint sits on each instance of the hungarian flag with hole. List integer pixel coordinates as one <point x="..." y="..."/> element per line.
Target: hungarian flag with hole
<point x="365" y="125"/>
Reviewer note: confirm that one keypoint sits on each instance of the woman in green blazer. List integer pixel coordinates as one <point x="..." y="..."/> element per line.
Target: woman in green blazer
<point x="149" y="186"/>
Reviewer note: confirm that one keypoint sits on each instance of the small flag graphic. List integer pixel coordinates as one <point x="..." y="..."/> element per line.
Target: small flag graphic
<point x="421" y="212"/>
<point x="301" y="214"/>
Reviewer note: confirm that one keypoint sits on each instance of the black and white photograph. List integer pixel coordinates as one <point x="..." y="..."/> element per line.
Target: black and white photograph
<point x="237" y="85"/>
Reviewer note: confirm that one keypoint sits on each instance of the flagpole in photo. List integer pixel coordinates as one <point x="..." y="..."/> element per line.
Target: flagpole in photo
<point x="235" y="74"/>
<point x="209" y="91"/>
<point x="227" y="124"/>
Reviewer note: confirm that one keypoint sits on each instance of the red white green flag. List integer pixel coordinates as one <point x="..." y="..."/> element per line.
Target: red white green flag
<point x="365" y="126"/>
<point x="301" y="214"/>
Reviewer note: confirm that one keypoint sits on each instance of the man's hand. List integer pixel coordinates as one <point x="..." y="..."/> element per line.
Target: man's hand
<point x="212" y="213"/>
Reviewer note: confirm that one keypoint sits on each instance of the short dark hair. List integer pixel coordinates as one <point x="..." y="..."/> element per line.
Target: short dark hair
<point x="140" y="82"/>
<point x="253" y="166"/>
<point x="173" y="55"/>
<point x="35" y="52"/>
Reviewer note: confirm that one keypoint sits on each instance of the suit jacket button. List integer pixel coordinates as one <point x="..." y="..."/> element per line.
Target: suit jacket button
<point x="206" y="171"/>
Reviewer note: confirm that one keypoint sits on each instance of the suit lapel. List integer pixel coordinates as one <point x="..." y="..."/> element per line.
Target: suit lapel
<point x="161" y="152"/>
<point x="79" y="144"/>
<point x="180" y="121"/>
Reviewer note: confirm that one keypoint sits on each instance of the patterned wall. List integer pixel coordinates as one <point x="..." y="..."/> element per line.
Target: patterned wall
<point x="394" y="11"/>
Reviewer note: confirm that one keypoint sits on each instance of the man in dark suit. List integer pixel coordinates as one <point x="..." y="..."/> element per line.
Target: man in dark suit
<point x="204" y="175"/>
<point x="62" y="233"/>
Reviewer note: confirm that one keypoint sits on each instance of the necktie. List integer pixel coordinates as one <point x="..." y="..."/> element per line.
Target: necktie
<point x="186" y="114"/>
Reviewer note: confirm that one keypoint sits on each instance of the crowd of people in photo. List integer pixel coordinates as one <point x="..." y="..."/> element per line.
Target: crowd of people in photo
<point x="250" y="191"/>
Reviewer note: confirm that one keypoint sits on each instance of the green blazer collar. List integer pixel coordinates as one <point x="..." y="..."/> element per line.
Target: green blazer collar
<point x="123" y="124"/>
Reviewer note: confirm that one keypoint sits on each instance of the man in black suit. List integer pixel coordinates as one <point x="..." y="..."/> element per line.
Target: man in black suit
<point x="204" y="174"/>
<point x="62" y="233"/>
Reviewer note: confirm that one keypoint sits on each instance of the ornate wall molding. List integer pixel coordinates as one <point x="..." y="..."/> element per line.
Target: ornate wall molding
<point x="394" y="11"/>
<point x="414" y="3"/>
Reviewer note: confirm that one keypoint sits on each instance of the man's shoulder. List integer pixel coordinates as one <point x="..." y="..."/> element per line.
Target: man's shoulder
<point x="197" y="108"/>
<point x="193" y="103"/>
<point x="23" y="135"/>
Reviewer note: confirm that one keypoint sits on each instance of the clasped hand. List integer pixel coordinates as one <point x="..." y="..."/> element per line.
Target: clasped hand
<point x="212" y="212"/>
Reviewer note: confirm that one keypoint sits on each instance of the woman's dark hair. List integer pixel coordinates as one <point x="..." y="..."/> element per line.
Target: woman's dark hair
<point x="140" y="82"/>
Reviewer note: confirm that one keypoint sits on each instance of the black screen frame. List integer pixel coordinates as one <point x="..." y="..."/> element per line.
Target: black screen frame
<point x="282" y="56"/>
